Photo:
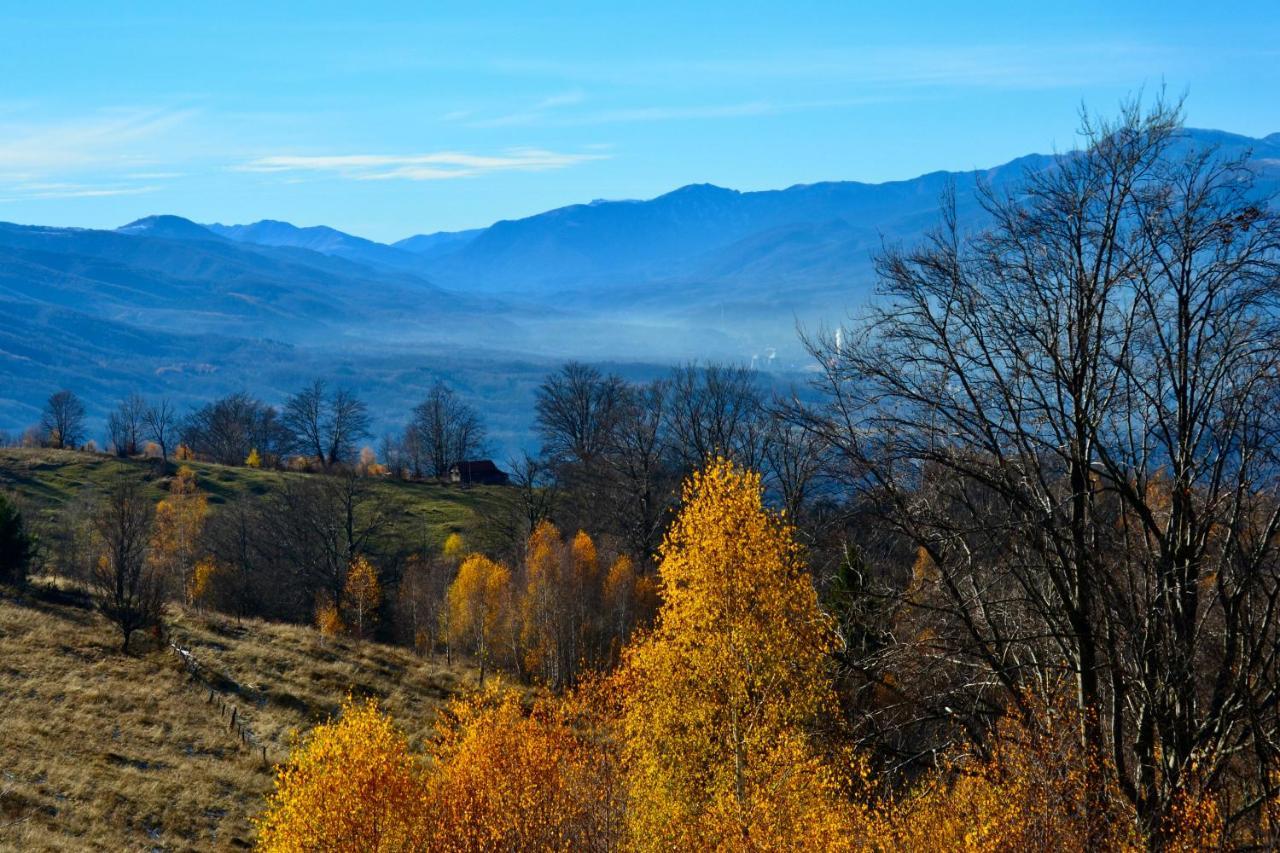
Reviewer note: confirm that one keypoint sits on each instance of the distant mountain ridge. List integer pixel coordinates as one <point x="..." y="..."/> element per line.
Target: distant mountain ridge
<point x="696" y="237"/>
<point x="319" y="238"/>
<point x="166" y="305"/>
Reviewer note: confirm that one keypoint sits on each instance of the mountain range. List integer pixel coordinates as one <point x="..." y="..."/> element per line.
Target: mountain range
<point x="167" y="305"/>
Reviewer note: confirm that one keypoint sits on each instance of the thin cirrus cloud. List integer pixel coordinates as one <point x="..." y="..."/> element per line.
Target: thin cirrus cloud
<point x="110" y="138"/>
<point x="94" y="156"/>
<point x="46" y="191"/>
<point x="440" y="165"/>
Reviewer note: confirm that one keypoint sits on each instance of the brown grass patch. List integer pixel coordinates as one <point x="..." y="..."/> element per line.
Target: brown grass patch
<point x="104" y="751"/>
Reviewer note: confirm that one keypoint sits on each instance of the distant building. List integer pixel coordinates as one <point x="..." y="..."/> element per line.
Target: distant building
<point x="477" y="472"/>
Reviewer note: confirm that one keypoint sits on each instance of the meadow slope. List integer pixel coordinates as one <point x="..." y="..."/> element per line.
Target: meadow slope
<point x="104" y="751"/>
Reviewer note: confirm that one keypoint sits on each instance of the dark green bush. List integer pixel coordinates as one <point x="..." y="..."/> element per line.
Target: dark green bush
<point x="16" y="545"/>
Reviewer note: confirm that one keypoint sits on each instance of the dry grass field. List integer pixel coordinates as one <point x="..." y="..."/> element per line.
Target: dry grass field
<point x="102" y="751"/>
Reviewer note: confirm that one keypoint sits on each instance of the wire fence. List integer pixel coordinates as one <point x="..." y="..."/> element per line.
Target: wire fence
<point x="229" y="713"/>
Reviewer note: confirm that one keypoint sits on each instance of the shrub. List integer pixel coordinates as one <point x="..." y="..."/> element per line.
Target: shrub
<point x="17" y="546"/>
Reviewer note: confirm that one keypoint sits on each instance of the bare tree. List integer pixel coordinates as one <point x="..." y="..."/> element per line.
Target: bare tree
<point x="1074" y="414"/>
<point x="303" y="415"/>
<point x="347" y="423"/>
<point x="643" y="483"/>
<point x="130" y="589"/>
<point x="315" y="526"/>
<point x="235" y="536"/>
<point x="446" y="429"/>
<point x="577" y="407"/>
<point x="229" y="429"/>
<point x="125" y="426"/>
<point x="160" y="422"/>
<point x="536" y="496"/>
<point x="796" y="459"/>
<point x="326" y="427"/>
<point x="717" y="410"/>
<point x="62" y="423"/>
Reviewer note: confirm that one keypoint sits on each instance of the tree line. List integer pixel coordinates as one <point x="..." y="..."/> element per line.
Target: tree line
<point x="316" y="428"/>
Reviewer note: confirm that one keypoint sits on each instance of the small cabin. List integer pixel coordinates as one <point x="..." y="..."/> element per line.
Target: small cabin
<point x="477" y="472"/>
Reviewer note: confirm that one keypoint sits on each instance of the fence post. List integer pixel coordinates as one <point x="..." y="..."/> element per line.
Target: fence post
<point x="233" y="718"/>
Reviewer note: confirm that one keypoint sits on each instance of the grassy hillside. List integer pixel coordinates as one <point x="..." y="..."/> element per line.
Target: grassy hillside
<point x="99" y="750"/>
<point x="46" y="479"/>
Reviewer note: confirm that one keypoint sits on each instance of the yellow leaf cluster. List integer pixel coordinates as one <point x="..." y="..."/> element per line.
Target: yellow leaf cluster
<point x="362" y="595"/>
<point x="351" y="784"/>
<point x="480" y="608"/>
<point x="507" y="779"/>
<point x="175" y="534"/>
<point x="454" y="547"/>
<point x="720" y="696"/>
<point x="329" y="619"/>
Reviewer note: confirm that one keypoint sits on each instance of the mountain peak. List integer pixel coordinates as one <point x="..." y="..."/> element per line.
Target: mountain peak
<point x="701" y="191"/>
<point x="168" y="226"/>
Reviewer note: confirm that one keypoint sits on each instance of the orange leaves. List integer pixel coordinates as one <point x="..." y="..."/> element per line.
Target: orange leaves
<point x="564" y="628"/>
<point x="508" y="779"/>
<point x="329" y="619"/>
<point x="1030" y="794"/>
<point x="703" y="738"/>
<point x="351" y="784"/>
<point x="499" y="778"/>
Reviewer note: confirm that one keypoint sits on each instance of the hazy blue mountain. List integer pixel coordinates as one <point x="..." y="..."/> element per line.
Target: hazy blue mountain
<point x="322" y="239"/>
<point x="172" y="227"/>
<point x="164" y="305"/>
<point x="439" y="243"/>
<point x="167" y="272"/>
<point x="701" y="240"/>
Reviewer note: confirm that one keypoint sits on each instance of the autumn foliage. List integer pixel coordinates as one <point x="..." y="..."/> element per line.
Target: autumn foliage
<point x="721" y="697"/>
<point x="351" y="784"/>
<point x="179" y="519"/>
<point x="715" y="730"/>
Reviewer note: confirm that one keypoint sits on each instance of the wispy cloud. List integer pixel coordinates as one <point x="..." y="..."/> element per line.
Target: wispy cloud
<point x="440" y="165"/>
<point x="93" y="156"/>
<point x="106" y="139"/>
<point x="690" y="112"/>
<point x="23" y="191"/>
<point x="535" y="113"/>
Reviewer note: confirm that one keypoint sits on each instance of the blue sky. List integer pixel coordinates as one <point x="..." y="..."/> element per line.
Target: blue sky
<point x="388" y="119"/>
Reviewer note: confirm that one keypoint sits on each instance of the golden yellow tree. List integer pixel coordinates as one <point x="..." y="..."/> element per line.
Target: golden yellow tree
<point x="720" y="696"/>
<point x="510" y="779"/>
<point x="328" y="617"/>
<point x="368" y="466"/>
<point x="583" y="591"/>
<point x="351" y="784"/>
<point x="619" y="601"/>
<point x="543" y="616"/>
<point x="254" y="459"/>
<point x="179" y="519"/>
<point x="454" y="547"/>
<point x="204" y="580"/>
<point x="479" y="605"/>
<point x="362" y="596"/>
